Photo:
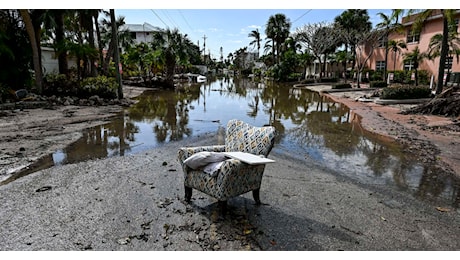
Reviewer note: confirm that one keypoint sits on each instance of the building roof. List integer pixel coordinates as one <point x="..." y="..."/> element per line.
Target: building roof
<point x="145" y="27"/>
<point x="435" y="14"/>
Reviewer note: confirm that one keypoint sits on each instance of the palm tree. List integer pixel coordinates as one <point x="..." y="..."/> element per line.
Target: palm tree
<point x="396" y="47"/>
<point x="123" y="35"/>
<point x="447" y="18"/>
<point x="53" y="27"/>
<point x="86" y="20"/>
<point x="171" y="48"/>
<point x="343" y="57"/>
<point x="389" y="24"/>
<point x="35" y="49"/>
<point x="415" y="57"/>
<point x="353" y="21"/>
<point x="277" y="29"/>
<point x="116" y="55"/>
<point x="434" y="48"/>
<point x="256" y="42"/>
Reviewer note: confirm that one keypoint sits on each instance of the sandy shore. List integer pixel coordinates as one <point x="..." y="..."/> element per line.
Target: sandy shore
<point x="27" y="135"/>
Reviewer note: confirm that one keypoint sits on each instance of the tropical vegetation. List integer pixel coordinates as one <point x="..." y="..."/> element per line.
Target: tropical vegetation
<point x="93" y="37"/>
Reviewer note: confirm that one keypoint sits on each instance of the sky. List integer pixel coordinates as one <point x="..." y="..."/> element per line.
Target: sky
<point x="227" y="24"/>
<point x="228" y="28"/>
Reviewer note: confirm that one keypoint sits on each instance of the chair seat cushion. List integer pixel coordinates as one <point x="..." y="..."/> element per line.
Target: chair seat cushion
<point x="202" y="159"/>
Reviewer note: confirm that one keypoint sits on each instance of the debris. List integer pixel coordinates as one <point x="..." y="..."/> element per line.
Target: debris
<point x="441" y="209"/>
<point x="44" y="188"/>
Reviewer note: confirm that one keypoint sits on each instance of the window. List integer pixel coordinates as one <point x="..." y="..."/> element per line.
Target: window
<point x="413" y="37"/>
<point x="408" y="65"/>
<point x="380" y="65"/>
<point x="381" y="42"/>
<point x="133" y="35"/>
<point x="449" y="63"/>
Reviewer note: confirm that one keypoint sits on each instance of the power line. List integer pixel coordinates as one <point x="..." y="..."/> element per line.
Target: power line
<point x="302" y="16"/>
<point x="180" y="12"/>
<point x="170" y="19"/>
<point x="159" y="18"/>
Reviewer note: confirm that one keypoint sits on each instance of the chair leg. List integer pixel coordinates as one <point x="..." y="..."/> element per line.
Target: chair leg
<point x="256" y="195"/>
<point x="188" y="193"/>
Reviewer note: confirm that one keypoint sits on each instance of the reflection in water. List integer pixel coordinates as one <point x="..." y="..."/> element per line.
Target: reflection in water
<point x="310" y="126"/>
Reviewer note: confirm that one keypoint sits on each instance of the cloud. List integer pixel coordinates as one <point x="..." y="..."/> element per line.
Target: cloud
<point x="235" y="41"/>
<point x="214" y="29"/>
<point x="254" y="26"/>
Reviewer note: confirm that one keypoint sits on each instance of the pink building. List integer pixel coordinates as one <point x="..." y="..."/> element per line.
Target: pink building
<point x="431" y="27"/>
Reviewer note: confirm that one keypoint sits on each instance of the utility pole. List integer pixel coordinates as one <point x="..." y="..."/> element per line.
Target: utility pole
<point x="204" y="48"/>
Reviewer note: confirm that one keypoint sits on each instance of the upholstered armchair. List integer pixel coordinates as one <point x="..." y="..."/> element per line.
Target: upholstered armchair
<point x="234" y="177"/>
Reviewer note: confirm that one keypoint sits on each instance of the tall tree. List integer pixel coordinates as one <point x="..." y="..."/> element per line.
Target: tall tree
<point x="277" y="29"/>
<point x="123" y="35"/>
<point x="35" y="49"/>
<point x="415" y="57"/>
<point x="453" y="41"/>
<point x="342" y="57"/>
<point x="15" y="52"/>
<point x="351" y="21"/>
<point x="86" y="20"/>
<point x="116" y="53"/>
<point x="318" y="38"/>
<point x="447" y="18"/>
<point x="396" y="47"/>
<point x="171" y="49"/>
<point x="256" y="41"/>
<point x="389" y="24"/>
<point x="364" y="43"/>
<point x="60" y="40"/>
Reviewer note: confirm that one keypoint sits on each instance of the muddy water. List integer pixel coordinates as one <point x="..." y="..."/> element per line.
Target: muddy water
<point x="310" y="127"/>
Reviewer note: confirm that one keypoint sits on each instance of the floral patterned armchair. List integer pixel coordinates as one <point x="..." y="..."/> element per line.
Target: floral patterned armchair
<point x="235" y="177"/>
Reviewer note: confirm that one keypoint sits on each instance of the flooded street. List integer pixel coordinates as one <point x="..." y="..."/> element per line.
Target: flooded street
<point x="333" y="186"/>
<point x="310" y="127"/>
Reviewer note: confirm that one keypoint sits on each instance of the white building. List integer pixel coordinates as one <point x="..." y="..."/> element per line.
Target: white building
<point x="50" y="62"/>
<point x="141" y="32"/>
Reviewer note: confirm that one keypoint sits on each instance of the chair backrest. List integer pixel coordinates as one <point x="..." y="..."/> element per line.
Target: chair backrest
<point x="242" y="137"/>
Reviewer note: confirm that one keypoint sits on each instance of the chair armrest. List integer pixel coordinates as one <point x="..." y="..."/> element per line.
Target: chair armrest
<point x="185" y="152"/>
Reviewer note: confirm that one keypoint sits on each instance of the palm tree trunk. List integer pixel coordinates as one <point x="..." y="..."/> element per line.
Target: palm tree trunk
<point x="62" y="56"/>
<point x="386" y="57"/>
<point x="442" y="58"/>
<point x="99" y="42"/>
<point x="116" y="52"/>
<point x="35" y="49"/>
<point x="93" y="70"/>
<point x="394" y="63"/>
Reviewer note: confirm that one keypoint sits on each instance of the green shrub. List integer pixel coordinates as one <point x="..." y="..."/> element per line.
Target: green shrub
<point x="378" y="84"/>
<point x="405" y="77"/>
<point x="294" y="76"/>
<point x="102" y="86"/>
<point x="376" y="76"/>
<point x="341" y="86"/>
<point x="405" y="92"/>
<point x="59" y="85"/>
